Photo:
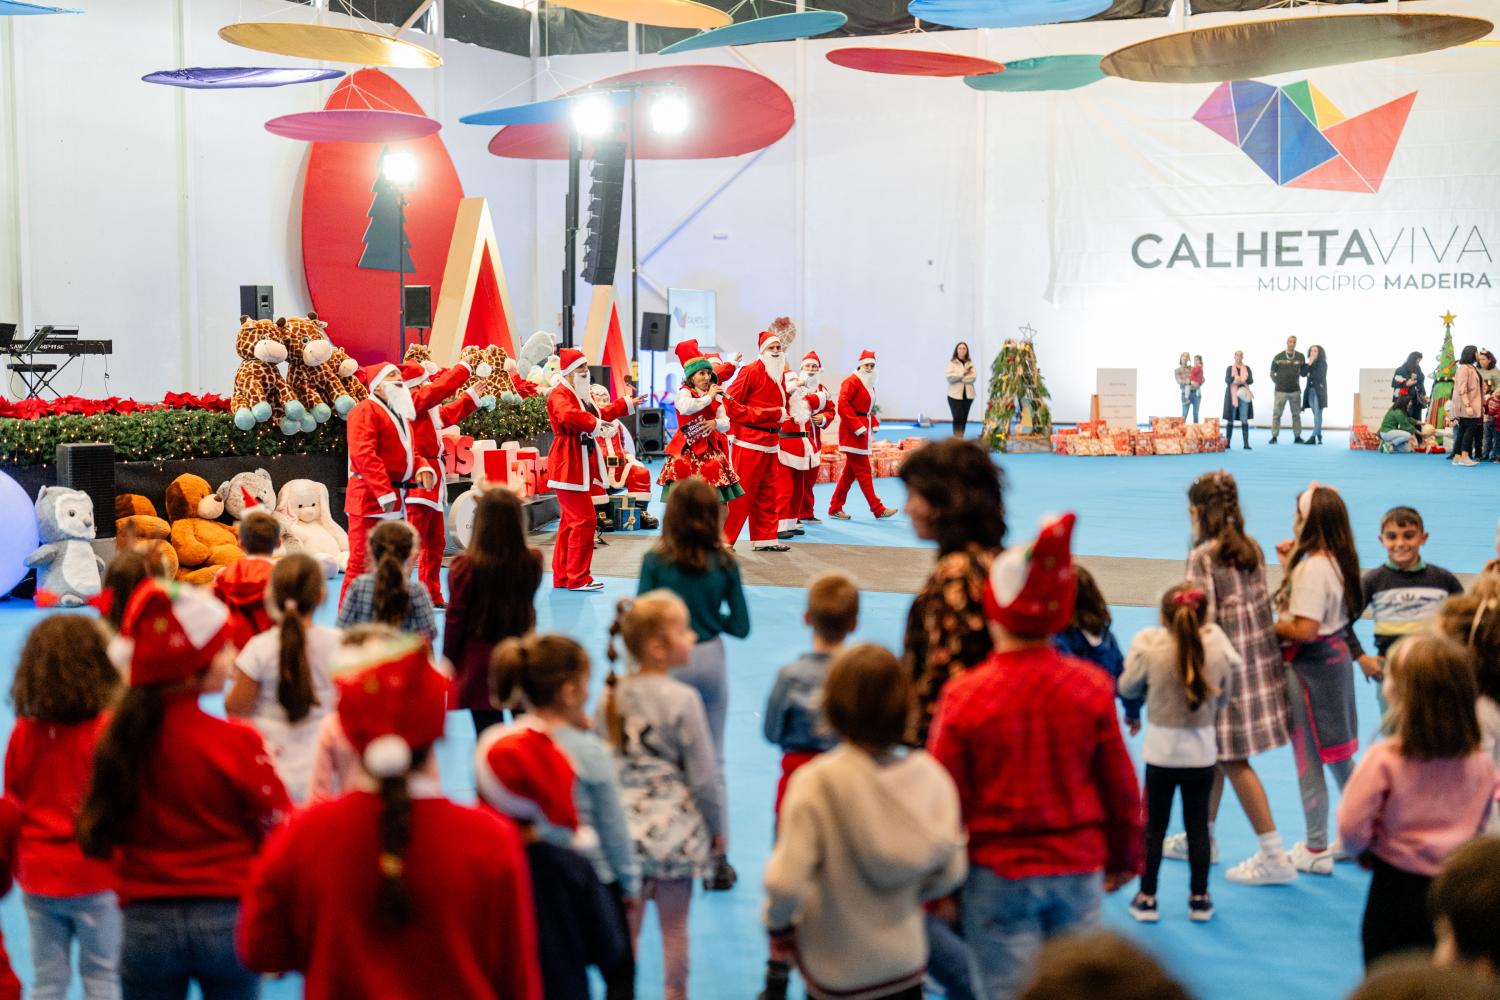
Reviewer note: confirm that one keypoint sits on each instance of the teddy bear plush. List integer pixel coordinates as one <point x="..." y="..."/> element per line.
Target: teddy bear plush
<point x="245" y="491"/>
<point x="68" y="570"/>
<point x="138" y="527"/>
<point x="260" y="392"/>
<point x="307" y="525"/>
<point x="204" y="546"/>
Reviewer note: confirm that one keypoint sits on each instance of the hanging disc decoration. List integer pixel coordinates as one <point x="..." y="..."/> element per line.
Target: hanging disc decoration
<point x="911" y="62"/>
<point x="15" y="8"/>
<point x="239" y="77"/>
<point x="329" y="43"/>
<point x="538" y="112"/>
<point x="1290" y="44"/>
<point x="661" y="13"/>
<point x="1041" y="73"/>
<point x="353" y="125"/>
<point x="776" y="28"/>
<point x="1004" y="13"/>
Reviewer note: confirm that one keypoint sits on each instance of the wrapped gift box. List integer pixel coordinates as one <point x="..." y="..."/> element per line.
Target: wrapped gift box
<point x="1168" y="444"/>
<point x="1167" y="425"/>
<point x="1064" y="431"/>
<point x="1124" y="441"/>
<point x="912" y="443"/>
<point x="1190" y="445"/>
<point x="1062" y="444"/>
<point x="1145" y="443"/>
<point x="1212" y="423"/>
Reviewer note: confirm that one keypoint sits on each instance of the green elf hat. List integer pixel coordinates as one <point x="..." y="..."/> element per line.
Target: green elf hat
<point x="692" y="359"/>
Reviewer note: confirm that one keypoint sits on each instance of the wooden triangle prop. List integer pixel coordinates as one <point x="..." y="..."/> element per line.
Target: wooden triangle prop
<point x="604" y="342"/>
<point x="473" y="306"/>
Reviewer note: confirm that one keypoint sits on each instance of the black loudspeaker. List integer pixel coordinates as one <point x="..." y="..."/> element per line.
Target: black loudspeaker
<point x="256" y="302"/>
<point x="650" y="432"/>
<point x="606" y="197"/>
<point x="419" y="306"/>
<point x="655" y="331"/>
<point x="599" y="375"/>
<point x="90" y="468"/>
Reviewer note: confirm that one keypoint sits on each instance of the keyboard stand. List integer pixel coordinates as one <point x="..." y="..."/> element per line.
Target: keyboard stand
<point x="37" y="378"/>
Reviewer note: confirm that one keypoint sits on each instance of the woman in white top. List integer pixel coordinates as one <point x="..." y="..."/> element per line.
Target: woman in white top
<point x="1319" y="598"/>
<point x="283" y="677"/>
<point x="961" y="377"/>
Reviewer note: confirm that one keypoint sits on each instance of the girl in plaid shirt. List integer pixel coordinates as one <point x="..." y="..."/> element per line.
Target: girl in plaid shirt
<point x="388" y="595"/>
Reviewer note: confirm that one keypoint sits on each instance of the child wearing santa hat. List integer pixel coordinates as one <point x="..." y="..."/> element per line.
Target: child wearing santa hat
<point x="1049" y="793"/>
<point x="521" y="773"/>
<point x="392" y="890"/>
<point x="179" y="799"/>
<point x="242" y="585"/>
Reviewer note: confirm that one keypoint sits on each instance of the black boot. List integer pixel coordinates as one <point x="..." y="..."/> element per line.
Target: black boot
<point x="778" y="975"/>
<point x="723" y="877"/>
<point x="1245" y="435"/>
<point x="647" y="521"/>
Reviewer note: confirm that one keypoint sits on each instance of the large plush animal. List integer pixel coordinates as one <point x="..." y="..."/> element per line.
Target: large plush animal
<point x="346" y="367"/>
<point x="307" y="525"/>
<point x="533" y="358"/>
<point x="138" y="527"/>
<point x="314" y="378"/>
<point x="246" y="491"/>
<point x="492" y="378"/>
<point x="260" y="392"/>
<point x="68" y="570"/>
<point x="204" y="546"/>
<point x="418" y="353"/>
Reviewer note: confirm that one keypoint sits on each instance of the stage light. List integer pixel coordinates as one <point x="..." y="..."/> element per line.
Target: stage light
<point x="399" y="168"/>
<point x="592" y="116"/>
<point x="669" y="114"/>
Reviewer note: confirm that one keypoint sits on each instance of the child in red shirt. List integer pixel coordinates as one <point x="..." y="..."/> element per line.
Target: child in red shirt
<point x="64" y="684"/>
<point x="391" y="890"/>
<point x="179" y="799"/>
<point x="242" y="585"/>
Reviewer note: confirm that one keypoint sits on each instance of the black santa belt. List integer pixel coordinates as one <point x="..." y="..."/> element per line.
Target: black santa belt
<point x="793" y="434"/>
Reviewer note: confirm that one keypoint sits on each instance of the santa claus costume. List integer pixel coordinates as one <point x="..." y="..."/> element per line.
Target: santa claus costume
<point x="799" y="455"/>
<point x="699" y="447"/>
<point x="424" y="504"/>
<point x="756" y="403"/>
<point x="812" y="370"/>
<point x="575" y="465"/>
<point x="857" y="427"/>
<point x="623" y="472"/>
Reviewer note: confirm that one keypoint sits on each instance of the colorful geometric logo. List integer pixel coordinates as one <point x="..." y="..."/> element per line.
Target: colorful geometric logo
<point x="1297" y="136"/>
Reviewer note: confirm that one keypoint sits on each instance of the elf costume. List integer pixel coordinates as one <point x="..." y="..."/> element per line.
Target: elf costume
<point x="699" y="447"/>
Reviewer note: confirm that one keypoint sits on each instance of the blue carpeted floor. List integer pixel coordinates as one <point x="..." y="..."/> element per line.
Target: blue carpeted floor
<point x="1299" y="941"/>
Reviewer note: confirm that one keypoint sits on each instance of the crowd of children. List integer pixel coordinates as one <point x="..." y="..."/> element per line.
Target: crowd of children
<point x="309" y="832"/>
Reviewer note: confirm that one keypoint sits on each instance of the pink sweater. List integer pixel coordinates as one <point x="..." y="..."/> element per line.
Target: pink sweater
<point x="1412" y="814"/>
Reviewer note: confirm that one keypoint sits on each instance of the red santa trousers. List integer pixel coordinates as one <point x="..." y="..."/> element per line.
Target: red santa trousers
<point x="359" y="550"/>
<point x="573" y="550"/>
<point x="856" y="467"/>
<point x="429" y="527"/>
<point x="760" y="474"/>
<point x="797" y="504"/>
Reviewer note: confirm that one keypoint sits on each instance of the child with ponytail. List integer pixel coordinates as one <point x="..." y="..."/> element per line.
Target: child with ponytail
<point x="1180" y="667"/>
<point x="387" y="595"/>
<point x="392" y="890"/>
<point x="180" y="800"/>
<point x="668" y="777"/>
<point x="283" y="678"/>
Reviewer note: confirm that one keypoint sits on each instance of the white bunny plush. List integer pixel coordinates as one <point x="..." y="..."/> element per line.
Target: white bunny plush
<point x="307" y="525"/>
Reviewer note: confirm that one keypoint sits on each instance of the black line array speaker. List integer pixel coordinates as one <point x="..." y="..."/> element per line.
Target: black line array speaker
<point x="655" y="331"/>
<point x="257" y="302"/>
<point x="418" y="305"/>
<point x="650" y="432"/>
<point x="606" y="197"/>
<point x="599" y="375"/>
<point x="90" y="468"/>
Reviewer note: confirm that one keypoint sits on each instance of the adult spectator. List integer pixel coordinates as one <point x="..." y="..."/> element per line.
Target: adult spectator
<point x="1315" y="396"/>
<point x="1467" y="406"/>
<point x="1239" y="399"/>
<point x="1490" y="375"/>
<point x="1409" y="386"/>
<point x="961" y="377"/>
<point x="1398" y="431"/>
<point x="953" y="497"/>
<point x="1287" y="369"/>
<point x="1186" y="386"/>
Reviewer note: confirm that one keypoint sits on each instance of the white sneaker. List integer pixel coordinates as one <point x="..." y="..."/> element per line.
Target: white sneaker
<point x="1465" y="461"/>
<point x="1174" y="846"/>
<point x="1312" y="862"/>
<point x="1261" y="870"/>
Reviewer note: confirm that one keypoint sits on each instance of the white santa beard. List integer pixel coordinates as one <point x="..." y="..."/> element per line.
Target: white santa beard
<point x="398" y="398"/>
<point x="775" y="366"/>
<point x="582" y="384"/>
<point x="868" y="380"/>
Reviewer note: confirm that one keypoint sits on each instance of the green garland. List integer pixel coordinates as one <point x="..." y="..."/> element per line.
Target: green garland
<point x="164" y="435"/>
<point x="1016" y="389"/>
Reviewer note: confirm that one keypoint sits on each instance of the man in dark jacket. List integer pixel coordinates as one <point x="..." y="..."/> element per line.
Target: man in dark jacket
<point x="1287" y="369"/>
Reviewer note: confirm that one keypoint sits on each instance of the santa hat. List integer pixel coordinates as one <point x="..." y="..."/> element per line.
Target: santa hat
<point x="813" y="357"/>
<point x="391" y="701"/>
<point x="865" y="356"/>
<point x="571" y="359"/>
<point x="692" y="359"/>
<point x="371" y="375"/>
<point x="766" y="339"/>
<point x="169" y="632"/>
<point x="520" y="772"/>
<point x="1031" y="589"/>
<point x="248" y="497"/>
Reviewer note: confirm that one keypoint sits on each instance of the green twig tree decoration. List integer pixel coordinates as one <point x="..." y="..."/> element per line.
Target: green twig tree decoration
<point x="1016" y="391"/>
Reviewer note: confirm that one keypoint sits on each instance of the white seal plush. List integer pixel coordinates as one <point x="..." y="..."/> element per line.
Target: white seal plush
<point x="68" y="570"/>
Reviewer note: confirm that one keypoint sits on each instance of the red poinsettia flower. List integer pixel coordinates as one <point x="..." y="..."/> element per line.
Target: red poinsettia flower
<point x="711" y="470"/>
<point x="682" y="468"/>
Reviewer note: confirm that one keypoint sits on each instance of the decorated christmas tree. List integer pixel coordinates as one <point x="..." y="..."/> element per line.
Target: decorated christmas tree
<point x="1442" y="376"/>
<point x="1017" y="405"/>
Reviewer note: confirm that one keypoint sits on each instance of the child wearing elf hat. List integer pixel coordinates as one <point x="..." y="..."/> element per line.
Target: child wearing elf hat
<point x="179" y="799"/>
<point x="699" y="446"/>
<point x="392" y="890"/>
<point x="521" y="773"/>
<point x="1048" y="790"/>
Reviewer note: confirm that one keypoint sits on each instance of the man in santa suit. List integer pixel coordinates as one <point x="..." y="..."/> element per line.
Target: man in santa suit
<point x="799" y="458"/>
<point x="623" y="472"/>
<point x="857" y="427"/>
<point x="575" y="464"/>
<point x="756" y="403"/>
<point x="819" y="417"/>
<point x="424" y="505"/>
<point x="383" y="464"/>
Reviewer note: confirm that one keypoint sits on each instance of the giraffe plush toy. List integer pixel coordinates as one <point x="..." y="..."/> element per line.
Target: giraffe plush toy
<point x="260" y="392"/>
<point x="314" y="377"/>
<point x="497" y="384"/>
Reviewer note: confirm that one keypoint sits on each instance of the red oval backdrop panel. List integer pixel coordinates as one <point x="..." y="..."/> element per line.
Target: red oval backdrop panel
<point x="733" y="112"/>
<point x="912" y="62"/>
<point x="361" y="306"/>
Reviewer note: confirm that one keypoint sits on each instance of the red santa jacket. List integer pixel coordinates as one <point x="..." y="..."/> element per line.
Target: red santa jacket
<point x="822" y="416"/>
<point x="575" y="422"/>
<point x="427" y="429"/>
<point x="797" y="450"/>
<point x="381" y="459"/>
<point x="756" y="405"/>
<point x="310" y="905"/>
<point x="855" y="404"/>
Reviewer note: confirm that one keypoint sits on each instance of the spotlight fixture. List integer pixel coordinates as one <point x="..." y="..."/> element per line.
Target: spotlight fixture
<point x="592" y="116"/>
<point x="399" y="168"/>
<point x="669" y="114"/>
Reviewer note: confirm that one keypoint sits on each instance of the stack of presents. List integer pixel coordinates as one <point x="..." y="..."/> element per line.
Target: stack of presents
<point x="524" y="472"/>
<point x="885" y="458"/>
<point x="1361" y="438"/>
<point x="1167" y="436"/>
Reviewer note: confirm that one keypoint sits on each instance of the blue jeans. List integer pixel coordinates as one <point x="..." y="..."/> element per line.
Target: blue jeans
<point x="1317" y="412"/>
<point x="94" y="920"/>
<point x="169" y="943"/>
<point x="1491" y="442"/>
<point x="1190" y="400"/>
<point x="950" y="962"/>
<point x="1007" y="920"/>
